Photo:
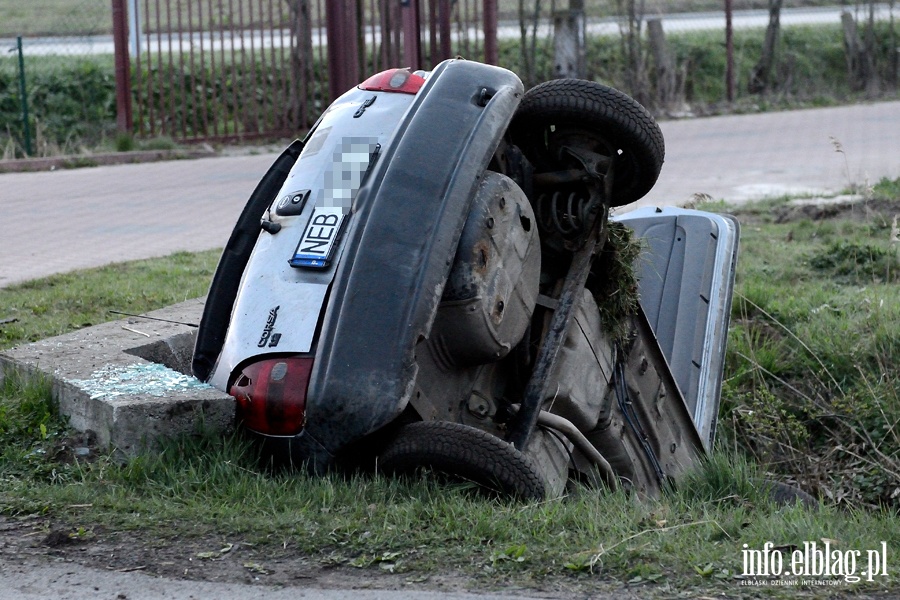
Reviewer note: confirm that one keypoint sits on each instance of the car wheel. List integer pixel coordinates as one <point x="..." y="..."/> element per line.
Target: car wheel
<point x="593" y="117"/>
<point x="465" y="453"/>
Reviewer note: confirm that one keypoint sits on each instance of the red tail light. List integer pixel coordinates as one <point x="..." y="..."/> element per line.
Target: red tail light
<point x="393" y="80"/>
<point x="271" y="395"/>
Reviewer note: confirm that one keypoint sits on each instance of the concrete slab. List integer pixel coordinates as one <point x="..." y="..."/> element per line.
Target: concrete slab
<point x="128" y="380"/>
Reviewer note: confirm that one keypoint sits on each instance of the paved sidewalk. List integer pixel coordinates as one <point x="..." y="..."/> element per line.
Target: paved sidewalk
<point x="60" y="221"/>
<point x="748" y="157"/>
<point x="64" y="220"/>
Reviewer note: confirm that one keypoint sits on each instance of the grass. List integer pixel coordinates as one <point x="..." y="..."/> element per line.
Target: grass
<point x="29" y="423"/>
<point x="811" y="391"/>
<point x="55" y="17"/>
<point x="62" y="303"/>
<point x="810" y="396"/>
<point x="210" y="487"/>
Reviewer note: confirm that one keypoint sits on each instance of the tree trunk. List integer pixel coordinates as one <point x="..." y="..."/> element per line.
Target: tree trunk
<point x="852" y="46"/>
<point x="568" y="43"/>
<point x="527" y="57"/>
<point x="761" y="75"/>
<point x="635" y="69"/>
<point x="860" y="61"/>
<point x="894" y="49"/>
<point x="535" y="18"/>
<point x="873" y="81"/>
<point x="664" y="64"/>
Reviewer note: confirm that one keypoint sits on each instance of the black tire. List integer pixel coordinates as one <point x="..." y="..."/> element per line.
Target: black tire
<point x="597" y="118"/>
<point x="466" y="453"/>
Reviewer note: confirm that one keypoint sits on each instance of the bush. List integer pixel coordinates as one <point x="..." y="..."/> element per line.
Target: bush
<point x="858" y="263"/>
<point x="71" y="102"/>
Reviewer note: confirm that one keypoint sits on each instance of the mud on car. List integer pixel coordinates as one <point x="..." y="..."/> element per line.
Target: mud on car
<point x="419" y="283"/>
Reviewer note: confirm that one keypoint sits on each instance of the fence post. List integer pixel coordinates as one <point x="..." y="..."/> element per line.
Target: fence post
<point x="412" y="49"/>
<point x="134" y="27"/>
<point x="22" y="91"/>
<point x="123" y="67"/>
<point x="444" y="27"/>
<point x="729" y="52"/>
<point x="343" y="60"/>
<point x="491" y="54"/>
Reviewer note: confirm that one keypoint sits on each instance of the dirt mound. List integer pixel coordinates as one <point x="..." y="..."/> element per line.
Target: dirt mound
<point x="856" y="208"/>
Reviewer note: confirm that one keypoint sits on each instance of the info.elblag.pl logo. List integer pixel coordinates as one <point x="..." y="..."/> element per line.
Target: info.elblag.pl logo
<point x="816" y="561"/>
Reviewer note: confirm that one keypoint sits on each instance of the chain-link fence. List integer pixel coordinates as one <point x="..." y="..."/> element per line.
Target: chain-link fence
<point x="60" y="53"/>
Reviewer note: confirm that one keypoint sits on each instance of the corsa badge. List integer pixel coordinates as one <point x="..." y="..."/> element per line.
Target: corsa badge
<point x="267" y="336"/>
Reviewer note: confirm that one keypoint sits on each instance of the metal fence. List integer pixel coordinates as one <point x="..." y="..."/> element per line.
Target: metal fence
<point x="237" y="69"/>
<point x="222" y="69"/>
<point x="49" y="49"/>
<point x="243" y="69"/>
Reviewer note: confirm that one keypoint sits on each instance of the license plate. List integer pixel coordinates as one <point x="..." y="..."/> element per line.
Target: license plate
<point x="318" y="242"/>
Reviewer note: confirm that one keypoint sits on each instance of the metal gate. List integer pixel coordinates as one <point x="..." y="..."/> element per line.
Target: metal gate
<point x="218" y="70"/>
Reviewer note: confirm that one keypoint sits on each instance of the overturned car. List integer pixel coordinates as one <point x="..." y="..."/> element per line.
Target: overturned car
<point x="419" y="283"/>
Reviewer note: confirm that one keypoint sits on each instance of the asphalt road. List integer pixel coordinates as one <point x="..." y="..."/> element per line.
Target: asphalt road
<point x="60" y="221"/>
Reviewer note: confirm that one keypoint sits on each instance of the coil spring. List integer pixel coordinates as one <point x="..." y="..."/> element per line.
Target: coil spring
<point x="564" y="213"/>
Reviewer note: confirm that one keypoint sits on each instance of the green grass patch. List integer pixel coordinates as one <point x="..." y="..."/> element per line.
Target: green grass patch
<point x="886" y="189"/>
<point x="810" y="66"/>
<point x="55" y="17"/>
<point x="857" y="262"/>
<point x="225" y="95"/>
<point x="212" y="488"/>
<point x="811" y="396"/>
<point x="810" y="388"/>
<point x="62" y="303"/>
<point x="30" y="427"/>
